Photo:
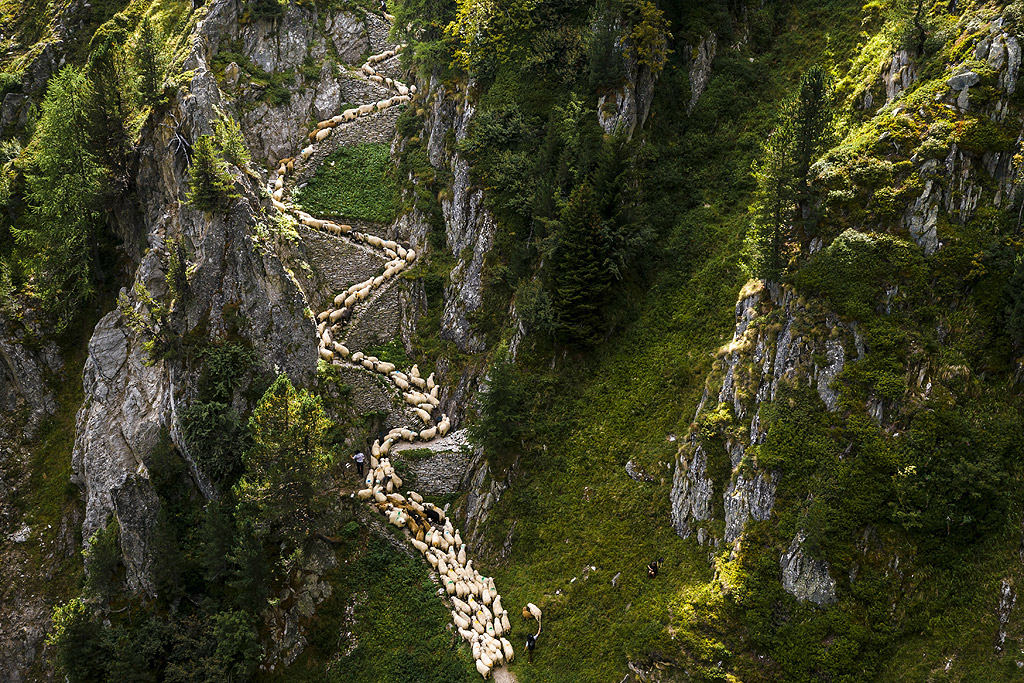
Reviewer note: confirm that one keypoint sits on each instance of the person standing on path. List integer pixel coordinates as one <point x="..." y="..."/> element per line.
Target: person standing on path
<point x="360" y="458"/>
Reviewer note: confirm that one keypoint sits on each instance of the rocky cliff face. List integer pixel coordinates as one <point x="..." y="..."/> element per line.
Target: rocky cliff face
<point x="780" y="338"/>
<point x="236" y="284"/>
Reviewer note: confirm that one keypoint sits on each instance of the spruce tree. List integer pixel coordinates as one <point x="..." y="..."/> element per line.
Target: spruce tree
<point x="210" y="183"/>
<point x="811" y="126"/>
<point x="64" y="183"/>
<point x="579" y="280"/>
<point x="147" y="62"/>
<point x="773" y="202"/>
<point x="286" y="465"/>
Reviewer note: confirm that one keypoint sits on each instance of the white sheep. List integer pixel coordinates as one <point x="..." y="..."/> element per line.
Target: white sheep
<point x="506" y="648"/>
<point x="365" y="109"/>
<point x="341" y="350"/>
<point x="326" y="354"/>
<point x="357" y="356"/>
<point x="337" y="314"/>
<point x="279" y="206"/>
<point x="420" y="413"/>
<point x="323" y="134"/>
<point x="428" y="434"/>
<point x="306" y="153"/>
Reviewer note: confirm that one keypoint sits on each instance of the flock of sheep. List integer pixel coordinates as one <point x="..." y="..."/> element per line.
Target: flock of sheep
<point x="478" y="614"/>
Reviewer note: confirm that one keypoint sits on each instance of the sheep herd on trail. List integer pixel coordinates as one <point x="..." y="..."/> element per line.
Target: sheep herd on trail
<point x="477" y="612"/>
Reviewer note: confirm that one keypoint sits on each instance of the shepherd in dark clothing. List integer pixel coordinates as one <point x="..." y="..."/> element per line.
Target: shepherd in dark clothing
<point x="653" y="567"/>
<point x="359" y="457"/>
<point x="531" y="642"/>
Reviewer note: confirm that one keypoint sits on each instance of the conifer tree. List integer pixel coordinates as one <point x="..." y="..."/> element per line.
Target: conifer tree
<point x="773" y="202"/>
<point x="107" y="69"/>
<point x="579" y="278"/>
<point x="64" y="182"/>
<point x="811" y="127"/>
<point x="148" y="62"/>
<point x="210" y="182"/>
<point x="286" y="464"/>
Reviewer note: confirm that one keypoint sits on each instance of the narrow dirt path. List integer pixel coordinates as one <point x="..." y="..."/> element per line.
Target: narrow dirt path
<point x="477" y="612"/>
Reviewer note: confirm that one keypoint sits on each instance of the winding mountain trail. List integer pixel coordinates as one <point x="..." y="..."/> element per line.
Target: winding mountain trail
<point x="477" y="612"/>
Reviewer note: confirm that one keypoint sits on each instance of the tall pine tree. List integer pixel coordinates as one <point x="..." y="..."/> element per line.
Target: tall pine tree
<point x="148" y="62"/>
<point x="286" y="465"/>
<point x="579" y="280"/>
<point x="210" y="183"/>
<point x="772" y="210"/>
<point x="64" y="182"/>
<point x="812" y="125"/>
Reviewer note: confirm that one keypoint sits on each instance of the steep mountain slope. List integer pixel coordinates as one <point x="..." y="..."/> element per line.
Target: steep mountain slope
<point x="666" y="325"/>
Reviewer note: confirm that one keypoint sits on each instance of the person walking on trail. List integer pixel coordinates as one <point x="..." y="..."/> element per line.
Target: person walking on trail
<point x="360" y="458"/>
<point x="531" y="642"/>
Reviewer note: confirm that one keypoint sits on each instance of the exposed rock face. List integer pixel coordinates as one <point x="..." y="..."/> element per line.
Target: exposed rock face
<point x="806" y="578"/>
<point x="118" y="425"/>
<point x="1007" y="600"/>
<point x="691" y="492"/>
<point x="233" y="278"/>
<point x="955" y="184"/>
<point x="748" y="499"/>
<point x="750" y="371"/>
<point x="442" y="472"/>
<point x="23" y="370"/>
<point x="625" y="109"/>
<point x="299" y="43"/>
<point x="900" y="75"/>
<point x="700" y="67"/>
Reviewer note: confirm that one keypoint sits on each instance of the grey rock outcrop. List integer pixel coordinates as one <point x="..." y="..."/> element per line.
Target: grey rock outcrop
<point x="779" y="339"/>
<point x="700" y="67"/>
<point x="233" y="277"/>
<point x="301" y="40"/>
<point x="25" y="365"/>
<point x="691" y="492"/>
<point x="748" y="499"/>
<point x="443" y="471"/>
<point x="806" y="578"/>
<point x="625" y="109"/>
<point x="900" y="75"/>
<point x="117" y="427"/>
